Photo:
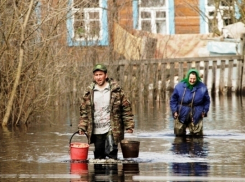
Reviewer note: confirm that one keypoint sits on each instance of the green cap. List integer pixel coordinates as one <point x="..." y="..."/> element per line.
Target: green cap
<point x="100" y="67"/>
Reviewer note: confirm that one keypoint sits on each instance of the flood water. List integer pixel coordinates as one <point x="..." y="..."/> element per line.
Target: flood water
<point x="40" y="151"/>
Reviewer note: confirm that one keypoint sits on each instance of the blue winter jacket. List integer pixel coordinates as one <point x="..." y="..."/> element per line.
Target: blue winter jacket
<point x="201" y="101"/>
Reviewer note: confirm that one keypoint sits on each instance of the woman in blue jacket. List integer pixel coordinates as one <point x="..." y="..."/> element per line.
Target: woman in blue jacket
<point x="189" y="103"/>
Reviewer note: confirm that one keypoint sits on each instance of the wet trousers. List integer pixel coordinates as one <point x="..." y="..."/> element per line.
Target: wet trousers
<point x="195" y="129"/>
<point x="104" y="146"/>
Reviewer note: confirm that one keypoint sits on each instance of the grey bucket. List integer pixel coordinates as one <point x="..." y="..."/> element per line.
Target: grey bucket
<point x="130" y="149"/>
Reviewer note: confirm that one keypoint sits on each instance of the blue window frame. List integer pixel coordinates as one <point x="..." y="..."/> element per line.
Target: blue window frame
<point x="87" y="23"/>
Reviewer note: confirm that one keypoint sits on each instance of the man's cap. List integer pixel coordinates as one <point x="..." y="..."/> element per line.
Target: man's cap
<point x="100" y="67"/>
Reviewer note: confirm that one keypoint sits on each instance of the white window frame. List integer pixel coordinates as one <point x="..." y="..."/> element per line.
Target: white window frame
<point x="87" y="20"/>
<point x="102" y="38"/>
<point x="153" y="19"/>
<point x="219" y="16"/>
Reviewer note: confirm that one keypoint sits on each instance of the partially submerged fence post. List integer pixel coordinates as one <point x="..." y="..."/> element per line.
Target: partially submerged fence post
<point x="180" y="73"/>
<point x="221" y="77"/>
<point x="163" y="80"/>
<point x="243" y="73"/>
<point x="171" y="77"/>
<point x="205" y="77"/>
<point x="121" y="72"/>
<point x="239" y="76"/>
<point x="214" y="69"/>
<point x="229" y="84"/>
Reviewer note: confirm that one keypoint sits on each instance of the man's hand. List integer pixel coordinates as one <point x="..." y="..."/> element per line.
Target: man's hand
<point x="81" y="132"/>
<point x="129" y="130"/>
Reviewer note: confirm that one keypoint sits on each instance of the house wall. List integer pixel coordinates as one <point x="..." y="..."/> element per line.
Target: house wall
<point x="187" y="18"/>
<point x="125" y="14"/>
<point x="186" y="21"/>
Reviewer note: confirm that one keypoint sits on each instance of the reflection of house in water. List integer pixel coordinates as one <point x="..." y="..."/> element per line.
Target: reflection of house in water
<point x="193" y="148"/>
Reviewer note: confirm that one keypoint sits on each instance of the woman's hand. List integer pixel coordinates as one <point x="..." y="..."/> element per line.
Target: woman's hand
<point x="175" y="115"/>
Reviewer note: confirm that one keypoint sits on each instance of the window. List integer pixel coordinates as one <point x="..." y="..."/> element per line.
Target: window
<point x="153" y="16"/>
<point x="87" y="23"/>
<point x="219" y="14"/>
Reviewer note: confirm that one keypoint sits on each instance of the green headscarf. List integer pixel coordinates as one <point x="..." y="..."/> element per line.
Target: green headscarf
<point x="186" y="79"/>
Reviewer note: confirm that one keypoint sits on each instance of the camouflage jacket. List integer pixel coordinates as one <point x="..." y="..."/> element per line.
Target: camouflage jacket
<point x="121" y="116"/>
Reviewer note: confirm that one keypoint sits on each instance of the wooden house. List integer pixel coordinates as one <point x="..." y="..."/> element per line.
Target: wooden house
<point x="92" y="23"/>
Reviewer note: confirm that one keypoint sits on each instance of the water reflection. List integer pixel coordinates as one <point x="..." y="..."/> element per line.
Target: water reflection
<point x="103" y="172"/>
<point x="193" y="148"/>
<point x="106" y="172"/>
<point x="79" y="168"/>
<point x="130" y="170"/>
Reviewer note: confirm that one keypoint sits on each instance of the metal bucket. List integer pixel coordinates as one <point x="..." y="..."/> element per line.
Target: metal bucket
<point x="130" y="149"/>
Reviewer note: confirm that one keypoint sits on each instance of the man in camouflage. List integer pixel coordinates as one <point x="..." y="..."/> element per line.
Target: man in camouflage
<point x="105" y="113"/>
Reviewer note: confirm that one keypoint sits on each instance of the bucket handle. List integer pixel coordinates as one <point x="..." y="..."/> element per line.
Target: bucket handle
<point x="77" y="132"/>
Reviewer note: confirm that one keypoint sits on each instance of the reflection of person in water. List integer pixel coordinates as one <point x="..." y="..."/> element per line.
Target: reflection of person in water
<point x="194" y="148"/>
<point x="110" y="172"/>
<point x="106" y="172"/>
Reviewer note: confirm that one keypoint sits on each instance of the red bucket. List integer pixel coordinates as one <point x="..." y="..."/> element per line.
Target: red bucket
<point x="78" y="151"/>
<point x="79" y="168"/>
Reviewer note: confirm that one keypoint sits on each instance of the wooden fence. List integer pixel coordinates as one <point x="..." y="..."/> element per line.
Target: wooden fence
<point x="155" y="79"/>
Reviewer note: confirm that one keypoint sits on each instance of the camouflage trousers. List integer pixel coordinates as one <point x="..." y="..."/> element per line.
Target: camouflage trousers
<point x="195" y="129"/>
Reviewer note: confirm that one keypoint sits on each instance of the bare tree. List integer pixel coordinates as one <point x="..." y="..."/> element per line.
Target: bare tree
<point x="30" y="57"/>
<point x="20" y="63"/>
<point x="37" y="68"/>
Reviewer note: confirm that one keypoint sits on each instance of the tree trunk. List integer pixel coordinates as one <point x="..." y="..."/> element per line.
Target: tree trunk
<point x="18" y="73"/>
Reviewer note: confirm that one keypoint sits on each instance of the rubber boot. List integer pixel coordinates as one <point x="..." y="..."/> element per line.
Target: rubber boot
<point x="113" y="154"/>
<point x="99" y="155"/>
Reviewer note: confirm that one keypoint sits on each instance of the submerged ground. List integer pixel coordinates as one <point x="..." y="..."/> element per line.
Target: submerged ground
<point x="40" y="151"/>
